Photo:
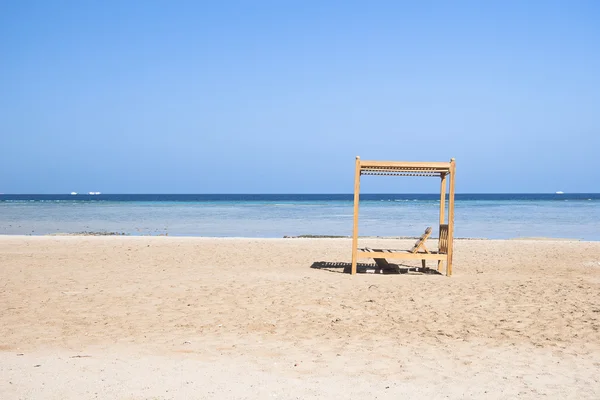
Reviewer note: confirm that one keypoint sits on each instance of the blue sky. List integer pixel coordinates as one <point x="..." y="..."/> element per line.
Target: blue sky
<point x="280" y="96"/>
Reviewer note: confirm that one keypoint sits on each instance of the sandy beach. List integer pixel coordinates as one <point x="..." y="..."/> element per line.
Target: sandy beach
<point x="196" y="318"/>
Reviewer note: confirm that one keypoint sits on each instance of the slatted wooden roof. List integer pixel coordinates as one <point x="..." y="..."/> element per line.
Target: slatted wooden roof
<point x="404" y="168"/>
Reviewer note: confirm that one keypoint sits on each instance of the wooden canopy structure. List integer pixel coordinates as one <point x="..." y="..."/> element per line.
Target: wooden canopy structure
<point x="443" y="170"/>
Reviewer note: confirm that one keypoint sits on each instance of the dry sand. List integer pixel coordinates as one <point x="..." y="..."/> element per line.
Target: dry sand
<point x="162" y="318"/>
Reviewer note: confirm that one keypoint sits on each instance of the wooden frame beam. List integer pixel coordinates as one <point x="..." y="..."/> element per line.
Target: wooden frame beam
<point x="355" y="226"/>
<point x="405" y="164"/>
<point x="400" y="255"/>
<point x="451" y="218"/>
<point x="442" y="209"/>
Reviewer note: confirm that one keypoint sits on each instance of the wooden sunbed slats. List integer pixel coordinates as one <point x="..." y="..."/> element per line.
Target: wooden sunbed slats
<point x="421" y="241"/>
<point x="443" y="241"/>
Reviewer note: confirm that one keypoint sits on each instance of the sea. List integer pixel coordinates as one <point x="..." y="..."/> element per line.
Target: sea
<point x="491" y="216"/>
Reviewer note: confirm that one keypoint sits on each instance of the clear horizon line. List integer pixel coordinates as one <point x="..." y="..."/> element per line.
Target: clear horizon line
<point x="275" y="194"/>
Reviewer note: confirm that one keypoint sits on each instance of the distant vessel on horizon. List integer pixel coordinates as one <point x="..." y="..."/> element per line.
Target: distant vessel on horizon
<point x="73" y="193"/>
<point x="93" y="193"/>
<point x="559" y="192"/>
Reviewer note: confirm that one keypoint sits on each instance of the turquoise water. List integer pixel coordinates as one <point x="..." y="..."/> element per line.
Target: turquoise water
<point x="476" y="216"/>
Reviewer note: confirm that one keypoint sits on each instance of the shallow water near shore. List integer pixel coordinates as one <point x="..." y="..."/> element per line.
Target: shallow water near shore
<point x="493" y="216"/>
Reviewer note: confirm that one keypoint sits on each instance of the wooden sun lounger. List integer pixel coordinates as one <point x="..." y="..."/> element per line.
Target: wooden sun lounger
<point x="381" y="255"/>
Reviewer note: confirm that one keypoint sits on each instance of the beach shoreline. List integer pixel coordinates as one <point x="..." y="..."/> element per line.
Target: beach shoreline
<point x="308" y="236"/>
<point x="136" y="317"/>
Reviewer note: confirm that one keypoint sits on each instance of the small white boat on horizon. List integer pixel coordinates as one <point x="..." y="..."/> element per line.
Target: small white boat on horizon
<point x="73" y="193"/>
<point x="559" y="192"/>
<point x="93" y="193"/>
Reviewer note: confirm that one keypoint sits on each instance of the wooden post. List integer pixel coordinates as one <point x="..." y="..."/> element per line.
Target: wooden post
<point x="451" y="218"/>
<point x="356" y="200"/>
<point x="442" y="210"/>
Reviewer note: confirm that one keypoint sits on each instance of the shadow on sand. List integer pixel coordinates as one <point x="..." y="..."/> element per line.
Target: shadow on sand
<point x="362" y="268"/>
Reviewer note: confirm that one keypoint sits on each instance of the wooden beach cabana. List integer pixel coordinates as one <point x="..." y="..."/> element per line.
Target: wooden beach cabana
<point x="446" y="171"/>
